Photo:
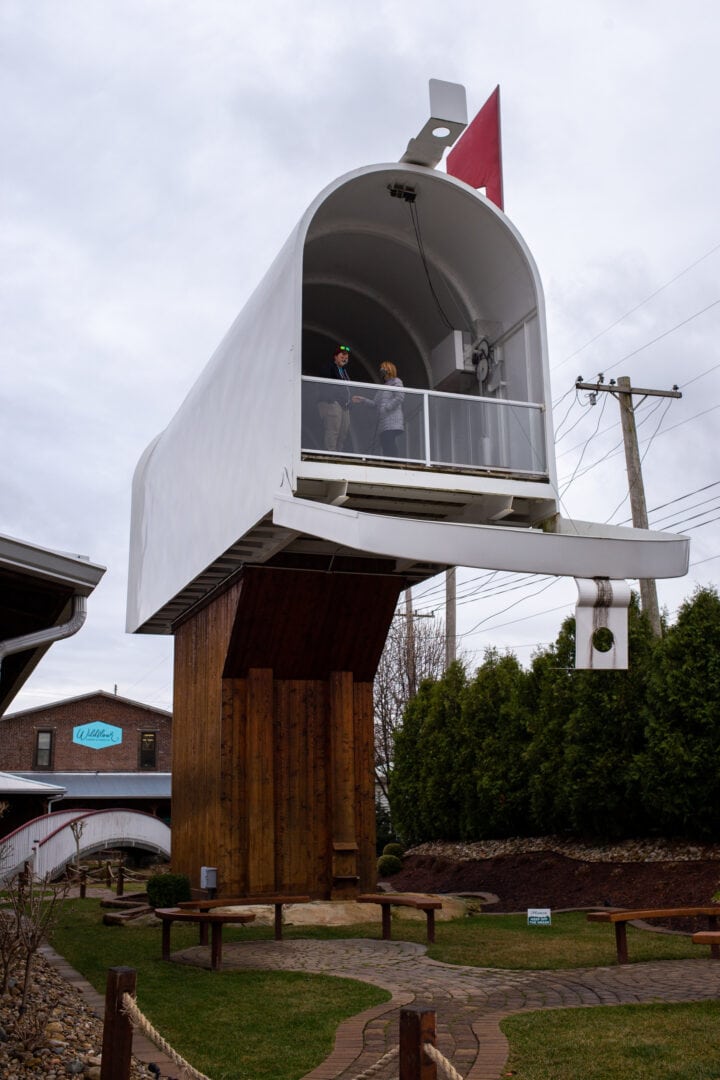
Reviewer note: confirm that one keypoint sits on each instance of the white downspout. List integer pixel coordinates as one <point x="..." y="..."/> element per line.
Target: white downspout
<point x="48" y="636"/>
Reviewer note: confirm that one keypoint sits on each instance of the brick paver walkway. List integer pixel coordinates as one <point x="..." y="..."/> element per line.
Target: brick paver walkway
<point x="470" y="1002"/>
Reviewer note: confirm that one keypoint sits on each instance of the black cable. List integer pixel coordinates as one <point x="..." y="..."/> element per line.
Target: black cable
<point x="421" y="248"/>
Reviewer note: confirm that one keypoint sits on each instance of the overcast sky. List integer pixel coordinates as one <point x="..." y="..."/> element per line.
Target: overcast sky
<point x="156" y="154"/>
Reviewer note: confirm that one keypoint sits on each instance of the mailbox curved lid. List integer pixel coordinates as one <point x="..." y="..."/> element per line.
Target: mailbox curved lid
<point x="209" y="479"/>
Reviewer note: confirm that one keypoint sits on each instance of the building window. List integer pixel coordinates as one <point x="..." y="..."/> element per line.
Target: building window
<point x="43" y="750"/>
<point x="148" y="750"/>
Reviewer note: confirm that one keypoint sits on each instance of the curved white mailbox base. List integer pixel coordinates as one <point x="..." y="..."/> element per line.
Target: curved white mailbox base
<point x="593" y="554"/>
<point x="574" y="549"/>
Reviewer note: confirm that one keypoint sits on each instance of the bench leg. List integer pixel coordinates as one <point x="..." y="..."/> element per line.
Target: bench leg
<point x="621" y="942"/>
<point x="430" y="926"/>
<point x="166" y="939"/>
<point x="203" y="933"/>
<point x="278" y="922"/>
<point x="714" y="949"/>
<point x="216" y="946"/>
<point x="386" y="922"/>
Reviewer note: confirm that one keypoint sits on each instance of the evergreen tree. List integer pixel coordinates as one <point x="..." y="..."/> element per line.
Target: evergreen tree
<point x="495" y="732"/>
<point x="423" y="783"/>
<point x="679" y="769"/>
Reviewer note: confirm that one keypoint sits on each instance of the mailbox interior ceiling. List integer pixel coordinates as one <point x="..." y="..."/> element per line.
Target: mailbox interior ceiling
<point x="365" y="285"/>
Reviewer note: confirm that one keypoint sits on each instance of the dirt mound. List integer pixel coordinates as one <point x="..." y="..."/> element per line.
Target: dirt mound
<point x="546" y="879"/>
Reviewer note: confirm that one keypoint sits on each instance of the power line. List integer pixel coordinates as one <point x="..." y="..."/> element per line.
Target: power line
<point x="697" y="377"/>
<point x="694" y="506"/>
<point x="637" y="307"/>
<point x="613" y="453"/>
<point x="582" y="455"/>
<point x="495" y="614"/>
<point x="512" y="622"/>
<point x="665" y="333"/>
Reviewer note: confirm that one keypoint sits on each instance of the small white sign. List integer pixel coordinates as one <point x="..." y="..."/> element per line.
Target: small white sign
<point x="539" y="916"/>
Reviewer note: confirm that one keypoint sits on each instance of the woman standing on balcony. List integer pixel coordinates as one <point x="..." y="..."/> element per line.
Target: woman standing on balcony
<point x="389" y="406"/>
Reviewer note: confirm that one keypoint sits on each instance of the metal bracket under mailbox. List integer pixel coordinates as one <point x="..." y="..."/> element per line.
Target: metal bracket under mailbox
<point x="602" y="604"/>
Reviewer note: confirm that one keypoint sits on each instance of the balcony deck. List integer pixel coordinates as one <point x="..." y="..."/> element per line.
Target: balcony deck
<point x="440" y="431"/>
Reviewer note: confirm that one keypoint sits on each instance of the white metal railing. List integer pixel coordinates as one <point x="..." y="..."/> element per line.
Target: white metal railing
<point x="17" y="846"/>
<point x="437" y="430"/>
<point x="48" y="843"/>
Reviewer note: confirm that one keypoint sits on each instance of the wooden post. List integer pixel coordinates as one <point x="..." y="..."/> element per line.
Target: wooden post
<point x="417" y="1027"/>
<point x="648" y="588"/>
<point x="83" y="884"/>
<point x="120" y="887"/>
<point x="117" y="1030"/>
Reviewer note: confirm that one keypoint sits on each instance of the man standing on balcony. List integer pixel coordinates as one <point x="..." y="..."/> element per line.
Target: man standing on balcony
<point x="335" y="407"/>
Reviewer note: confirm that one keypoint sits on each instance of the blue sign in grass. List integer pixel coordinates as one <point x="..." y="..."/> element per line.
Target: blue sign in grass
<point x="97" y="735"/>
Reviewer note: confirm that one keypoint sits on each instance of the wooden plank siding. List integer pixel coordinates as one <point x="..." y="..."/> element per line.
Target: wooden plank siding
<point x="275" y="780"/>
<point x="364" y="736"/>
<point x="200" y="650"/>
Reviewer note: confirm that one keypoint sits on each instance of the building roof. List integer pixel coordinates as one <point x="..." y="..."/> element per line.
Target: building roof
<point x="14" y="784"/>
<point x="37" y="587"/>
<point x="109" y="785"/>
<point x="87" y="697"/>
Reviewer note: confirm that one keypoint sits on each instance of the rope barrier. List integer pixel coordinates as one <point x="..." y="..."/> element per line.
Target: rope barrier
<point x="442" y="1062"/>
<point x="136" y="1017"/>
<point x="367" y="1073"/>
<point x="130" y="1008"/>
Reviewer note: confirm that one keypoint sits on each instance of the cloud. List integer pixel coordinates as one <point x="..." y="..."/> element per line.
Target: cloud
<point x="158" y="154"/>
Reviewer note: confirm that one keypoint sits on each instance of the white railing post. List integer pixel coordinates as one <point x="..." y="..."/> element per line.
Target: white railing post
<point x="426" y="424"/>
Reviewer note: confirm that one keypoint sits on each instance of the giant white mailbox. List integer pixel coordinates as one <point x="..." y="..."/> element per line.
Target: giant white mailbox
<point x="401" y="263"/>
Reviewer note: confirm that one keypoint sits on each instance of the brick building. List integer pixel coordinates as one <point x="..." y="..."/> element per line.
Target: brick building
<point x="101" y="749"/>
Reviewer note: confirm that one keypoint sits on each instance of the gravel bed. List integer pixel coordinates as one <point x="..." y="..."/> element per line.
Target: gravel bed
<point x="625" y="851"/>
<point x="64" y="1034"/>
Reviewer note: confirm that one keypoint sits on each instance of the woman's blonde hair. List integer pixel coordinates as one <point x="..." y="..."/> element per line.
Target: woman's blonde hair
<point x="389" y="369"/>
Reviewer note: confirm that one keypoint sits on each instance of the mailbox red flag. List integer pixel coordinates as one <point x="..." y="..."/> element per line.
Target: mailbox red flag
<point x="477" y="157"/>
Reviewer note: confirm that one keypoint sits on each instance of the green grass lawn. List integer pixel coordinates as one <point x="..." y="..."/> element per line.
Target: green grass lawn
<point x="232" y="1025"/>
<point x="262" y="1025"/>
<point x="632" y="1042"/>
<point x="506" y="941"/>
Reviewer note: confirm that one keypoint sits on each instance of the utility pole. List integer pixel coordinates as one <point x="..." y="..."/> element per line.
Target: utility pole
<point x="624" y="391"/>
<point x="410" y="643"/>
<point x="450" y="616"/>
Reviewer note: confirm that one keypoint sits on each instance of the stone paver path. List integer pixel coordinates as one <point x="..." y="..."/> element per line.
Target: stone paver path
<point x="469" y="1001"/>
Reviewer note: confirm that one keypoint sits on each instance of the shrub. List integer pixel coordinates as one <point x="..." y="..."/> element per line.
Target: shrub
<point x="384" y="831"/>
<point x="394" y="849"/>
<point x="167" y="890"/>
<point x="387" y="865"/>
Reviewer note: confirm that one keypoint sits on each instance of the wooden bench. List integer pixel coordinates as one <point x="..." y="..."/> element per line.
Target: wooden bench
<point x="711" y="938"/>
<point x="621" y="918"/>
<point x="215" y="920"/>
<point x="390" y="900"/>
<point x="247" y="901"/>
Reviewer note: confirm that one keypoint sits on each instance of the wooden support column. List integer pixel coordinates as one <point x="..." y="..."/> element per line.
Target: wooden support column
<point x="342" y="770"/>
<point x="259" y="767"/>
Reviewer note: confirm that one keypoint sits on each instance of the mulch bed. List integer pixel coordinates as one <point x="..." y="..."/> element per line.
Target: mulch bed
<point x="548" y="879"/>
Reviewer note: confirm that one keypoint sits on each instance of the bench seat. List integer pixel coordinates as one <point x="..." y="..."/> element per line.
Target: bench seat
<point x="388" y="901"/>
<point x="622" y="916"/>
<point x="277" y="900"/>
<point x="214" y="919"/>
<point x="711" y="938"/>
